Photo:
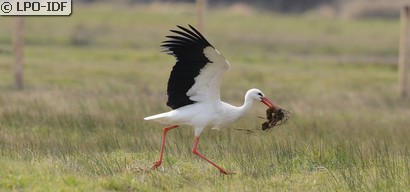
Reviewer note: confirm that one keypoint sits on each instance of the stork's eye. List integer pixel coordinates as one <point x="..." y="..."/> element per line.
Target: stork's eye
<point x="260" y="94"/>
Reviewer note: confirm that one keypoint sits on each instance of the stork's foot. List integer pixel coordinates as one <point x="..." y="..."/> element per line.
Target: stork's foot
<point x="222" y="171"/>
<point x="156" y="164"/>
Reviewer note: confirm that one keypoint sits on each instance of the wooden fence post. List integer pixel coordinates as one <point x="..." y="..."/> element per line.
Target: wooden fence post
<point x="18" y="46"/>
<point x="201" y="9"/>
<point x="403" y="52"/>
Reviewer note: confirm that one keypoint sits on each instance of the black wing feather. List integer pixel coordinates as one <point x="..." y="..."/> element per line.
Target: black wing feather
<point x="200" y="35"/>
<point x="188" y="48"/>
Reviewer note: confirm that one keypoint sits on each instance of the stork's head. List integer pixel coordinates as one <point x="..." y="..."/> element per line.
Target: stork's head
<point x="257" y="95"/>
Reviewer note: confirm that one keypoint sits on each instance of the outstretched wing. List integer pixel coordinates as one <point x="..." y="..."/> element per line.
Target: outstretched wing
<point x="198" y="72"/>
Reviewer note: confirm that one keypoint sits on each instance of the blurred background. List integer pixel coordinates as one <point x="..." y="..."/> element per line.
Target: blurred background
<point x="353" y="30"/>
<point x="88" y="79"/>
<point x="117" y="42"/>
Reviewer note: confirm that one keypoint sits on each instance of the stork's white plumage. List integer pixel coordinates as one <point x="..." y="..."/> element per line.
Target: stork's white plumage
<point x="193" y="89"/>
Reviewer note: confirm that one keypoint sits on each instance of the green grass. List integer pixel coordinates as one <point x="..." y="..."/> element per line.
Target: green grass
<point x="91" y="78"/>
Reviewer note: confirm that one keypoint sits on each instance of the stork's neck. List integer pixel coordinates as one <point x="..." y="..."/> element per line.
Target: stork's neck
<point x="247" y="105"/>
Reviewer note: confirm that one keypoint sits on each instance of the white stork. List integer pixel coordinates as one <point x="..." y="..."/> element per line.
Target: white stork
<point x="193" y="89"/>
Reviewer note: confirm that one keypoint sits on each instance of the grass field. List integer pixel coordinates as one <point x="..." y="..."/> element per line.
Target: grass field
<point x="92" y="77"/>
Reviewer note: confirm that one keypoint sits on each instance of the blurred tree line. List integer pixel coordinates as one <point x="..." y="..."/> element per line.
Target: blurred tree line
<point x="273" y="5"/>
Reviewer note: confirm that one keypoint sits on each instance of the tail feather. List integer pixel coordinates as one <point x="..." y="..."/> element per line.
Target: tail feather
<point x="162" y="117"/>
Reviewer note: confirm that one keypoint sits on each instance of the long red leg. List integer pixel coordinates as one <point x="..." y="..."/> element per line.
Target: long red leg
<point x="164" y="133"/>
<point x="203" y="157"/>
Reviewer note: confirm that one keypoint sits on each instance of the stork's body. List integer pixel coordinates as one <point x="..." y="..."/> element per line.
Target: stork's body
<point x="193" y="89"/>
<point x="200" y="115"/>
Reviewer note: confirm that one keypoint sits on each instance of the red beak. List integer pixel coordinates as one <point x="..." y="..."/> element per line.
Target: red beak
<point x="268" y="102"/>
